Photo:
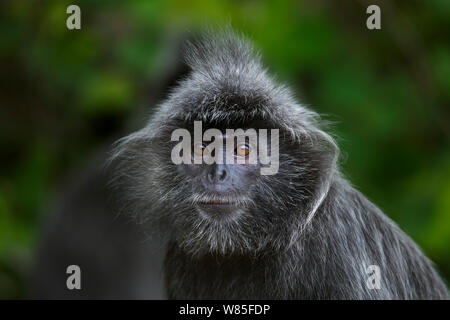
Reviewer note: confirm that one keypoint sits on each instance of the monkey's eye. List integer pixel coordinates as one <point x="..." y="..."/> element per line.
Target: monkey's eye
<point x="199" y="148"/>
<point x="243" y="150"/>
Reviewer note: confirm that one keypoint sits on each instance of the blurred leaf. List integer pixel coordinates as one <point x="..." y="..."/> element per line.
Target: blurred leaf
<point x="106" y="91"/>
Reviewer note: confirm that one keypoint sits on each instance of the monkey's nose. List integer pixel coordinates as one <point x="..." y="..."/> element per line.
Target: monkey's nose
<point x="217" y="175"/>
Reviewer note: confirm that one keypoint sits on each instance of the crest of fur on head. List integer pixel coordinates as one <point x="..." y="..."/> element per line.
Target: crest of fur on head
<point x="227" y="84"/>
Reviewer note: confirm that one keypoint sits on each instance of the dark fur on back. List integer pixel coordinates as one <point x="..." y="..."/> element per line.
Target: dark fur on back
<point x="306" y="234"/>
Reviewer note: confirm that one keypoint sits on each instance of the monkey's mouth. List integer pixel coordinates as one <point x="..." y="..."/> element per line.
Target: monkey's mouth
<point x="218" y="202"/>
<point x="219" y="205"/>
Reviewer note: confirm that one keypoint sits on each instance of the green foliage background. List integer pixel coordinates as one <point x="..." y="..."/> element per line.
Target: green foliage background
<point x="63" y="93"/>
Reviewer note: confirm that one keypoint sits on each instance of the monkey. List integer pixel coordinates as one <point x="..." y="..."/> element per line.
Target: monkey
<point x="303" y="232"/>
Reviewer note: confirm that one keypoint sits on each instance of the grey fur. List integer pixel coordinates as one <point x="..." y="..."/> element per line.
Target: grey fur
<point x="307" y="233"/>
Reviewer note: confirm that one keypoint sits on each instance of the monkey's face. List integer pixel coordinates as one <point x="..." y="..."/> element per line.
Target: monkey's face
<point x="226" y="206"/>
<point x="221" y="206"/>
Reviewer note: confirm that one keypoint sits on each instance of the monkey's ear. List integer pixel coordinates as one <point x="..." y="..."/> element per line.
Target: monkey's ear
<point x="328" y="171"/>
<point x="128" y="154"/>
<point x="126" y="144"/>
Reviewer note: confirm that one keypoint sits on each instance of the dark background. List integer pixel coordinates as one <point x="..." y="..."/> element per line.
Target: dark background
<point x="64" y="93"/>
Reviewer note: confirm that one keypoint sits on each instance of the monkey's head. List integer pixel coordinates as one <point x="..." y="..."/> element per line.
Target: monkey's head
<point x="233" y="199"/>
